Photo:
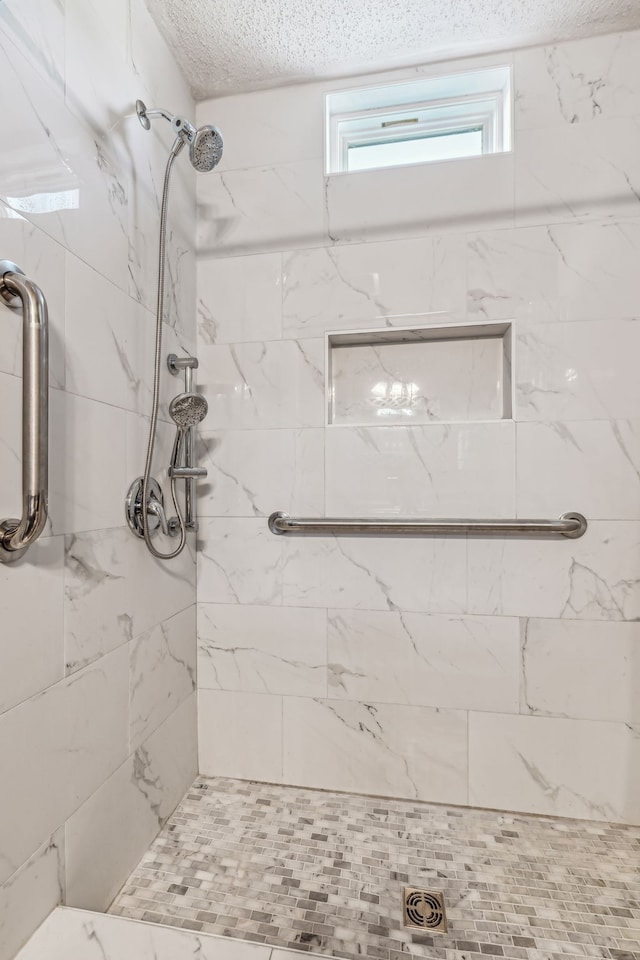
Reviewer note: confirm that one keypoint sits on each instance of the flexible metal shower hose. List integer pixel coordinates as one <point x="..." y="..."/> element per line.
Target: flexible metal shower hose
<point x="175" y="150"/>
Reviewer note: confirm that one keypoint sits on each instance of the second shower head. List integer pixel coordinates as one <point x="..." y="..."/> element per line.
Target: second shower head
<point x="188" y="409"/>
<point x="205" y="143"/>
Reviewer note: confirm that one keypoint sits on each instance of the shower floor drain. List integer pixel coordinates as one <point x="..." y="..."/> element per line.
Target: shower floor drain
<point x="424" y="909"/>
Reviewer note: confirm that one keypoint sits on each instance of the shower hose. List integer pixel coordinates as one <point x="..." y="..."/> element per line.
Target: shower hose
<point x="175" y="150"/>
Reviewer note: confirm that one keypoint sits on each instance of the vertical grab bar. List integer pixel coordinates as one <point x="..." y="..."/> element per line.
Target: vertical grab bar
<point x="16" y="289"/>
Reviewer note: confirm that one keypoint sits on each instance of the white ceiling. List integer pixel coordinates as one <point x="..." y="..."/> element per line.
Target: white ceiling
<point x="229" y="46"/>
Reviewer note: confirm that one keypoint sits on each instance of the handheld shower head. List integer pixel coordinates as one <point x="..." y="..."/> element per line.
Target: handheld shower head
<point x="188" y="409"/>
<point x="205" y="144"/>
<point x="205" y="149"/>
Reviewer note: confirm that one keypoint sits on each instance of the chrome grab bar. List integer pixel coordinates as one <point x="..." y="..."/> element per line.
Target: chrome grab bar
<point x="572" y="525"/>
<point x="16" y="289"/>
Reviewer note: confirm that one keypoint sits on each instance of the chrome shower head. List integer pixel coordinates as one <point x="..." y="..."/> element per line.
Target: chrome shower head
<point x="205" y="149"/>
<point x="205" y="144"/>
<point x="188" y="409"/>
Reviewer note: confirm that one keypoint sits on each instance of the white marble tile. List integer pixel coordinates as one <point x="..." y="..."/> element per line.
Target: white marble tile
<point x="149" y="150"/>
<point x="589" y="170"/>
<point x="137" y="439"/>
<point x="470" y="663"/>
<point x="109" y="340"/>
<point x="577" y="371"/>
<point x="180" y="311"/>
<point x="384" y="749"/>
<point x="268" y="127"/>
<point x="239" y="561"/>
<point x="99" y="80"/>
<point x="28" y="896"/>
<point x="422" y="199"/>
<point x="568" y="768"/>
<point x="75" y="734"/>
<point x="458" y="379"/>
<point x="36" y="29"/>
<point x="578" y="82"/>
<point x="87" y="478"/>
<point x="430" y="471"/>
<point x="264" y="208"/>
<point x="95" y="936"/>
<point x="259" y="649"/>
<point x="563" y="271"/>
<point x="114" y="590"/>
<point x="42" y="260"/>
<point x="240" y="735"/>
<point x="335" y="288"/>
<point x="272" y="384"/>
<point x="592" y="466"/>
<point x="58" y="175"/>
<point x="162" y="673"/>
<point x="108" y="834"/>
<point x="581" y="670"/>
<point x="254" y="472"/>
<point x="423" y="573"/>
<point x="240" y="299"/>
<point x="31" y="654"/>
<point x="592" y="578"/>
<point x="154" y="64"/>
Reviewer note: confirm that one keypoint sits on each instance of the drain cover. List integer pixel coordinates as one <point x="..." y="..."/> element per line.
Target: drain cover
<point x="424" y="909"/>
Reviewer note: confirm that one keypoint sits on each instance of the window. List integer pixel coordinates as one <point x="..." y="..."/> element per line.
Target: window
<point x="434" y="118"/>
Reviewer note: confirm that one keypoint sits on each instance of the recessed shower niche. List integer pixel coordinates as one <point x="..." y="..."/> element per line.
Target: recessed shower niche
<point x="431" y="374"/>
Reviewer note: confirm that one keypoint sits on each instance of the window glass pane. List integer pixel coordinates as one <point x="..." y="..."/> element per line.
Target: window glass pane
<point x="393" y="153"/>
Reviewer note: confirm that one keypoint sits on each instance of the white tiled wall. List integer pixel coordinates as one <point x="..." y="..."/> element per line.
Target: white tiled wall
<point x="494" y="672"/>
<point x="97" y="653"/>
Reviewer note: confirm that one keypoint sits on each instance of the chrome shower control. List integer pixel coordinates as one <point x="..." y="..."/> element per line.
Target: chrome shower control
<point x="157" y="518"/>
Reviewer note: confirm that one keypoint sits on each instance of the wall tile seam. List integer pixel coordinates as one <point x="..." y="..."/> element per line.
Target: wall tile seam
<point x="127" y="641"/>
<point x="52" y="841"/>
<point x="430" y="707"/>
<point x="130" y="756"/>
<point x="518" y="129"/>
<point x="531" y="713"/>
<point x="250" y="251"/>
<point x="140" y="746"/>
<point x="49" y="238"/>
<point x="113" y="773"/>
<point x="65" y="677"/>
<point x="125" y="290"/>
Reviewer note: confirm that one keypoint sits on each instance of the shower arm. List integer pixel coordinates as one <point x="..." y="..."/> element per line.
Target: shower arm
<point x="179" y="124"/>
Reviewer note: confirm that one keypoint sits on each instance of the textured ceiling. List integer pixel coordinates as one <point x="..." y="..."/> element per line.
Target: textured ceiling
<point x="229" y="46"/>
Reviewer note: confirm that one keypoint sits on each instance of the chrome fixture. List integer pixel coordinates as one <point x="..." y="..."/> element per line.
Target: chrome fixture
<point x="144" y="505"/>
<point x="572" y="525"/>
<point x="17" y="290"/>
<point x="186" y="410"/>
<point x="205" y="143"/>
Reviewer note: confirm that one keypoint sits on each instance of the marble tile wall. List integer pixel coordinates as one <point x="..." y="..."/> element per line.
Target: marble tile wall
<point x="97" y="655"/>
<point x="490" y="672"/>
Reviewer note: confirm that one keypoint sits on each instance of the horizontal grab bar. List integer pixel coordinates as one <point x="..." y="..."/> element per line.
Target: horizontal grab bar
<point x="571" y="525"/>
<point x="16" y="289"/>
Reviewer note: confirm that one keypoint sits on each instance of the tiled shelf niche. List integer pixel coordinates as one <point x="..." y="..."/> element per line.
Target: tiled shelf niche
<point x="431" y="374"/>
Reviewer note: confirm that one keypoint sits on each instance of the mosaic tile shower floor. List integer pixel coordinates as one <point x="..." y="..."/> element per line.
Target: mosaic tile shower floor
<point x="323" y="873"/>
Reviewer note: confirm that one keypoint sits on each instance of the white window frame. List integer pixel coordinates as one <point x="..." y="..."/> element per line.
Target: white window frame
<point x="486" y="107"/>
